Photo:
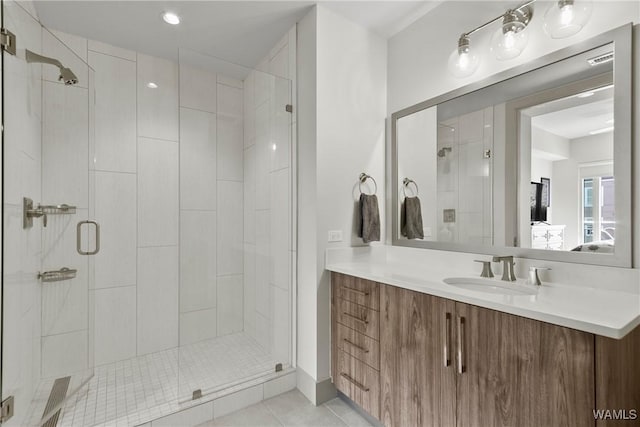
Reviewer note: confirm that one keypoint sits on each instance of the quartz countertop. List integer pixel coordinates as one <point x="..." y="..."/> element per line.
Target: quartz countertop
<point x="605" y="312"/>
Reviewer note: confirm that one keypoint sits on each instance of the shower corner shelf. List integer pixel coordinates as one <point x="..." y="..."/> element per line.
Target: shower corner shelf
<point x="29" y="212"/>
<point x="57" y="275"/>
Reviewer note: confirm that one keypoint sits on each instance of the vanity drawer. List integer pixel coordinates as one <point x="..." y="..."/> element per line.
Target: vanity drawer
<point x="360" y="382"/>
<point x="360" y="291"/>
<point x="359" y="346"/>
<point x="362" y="319"/>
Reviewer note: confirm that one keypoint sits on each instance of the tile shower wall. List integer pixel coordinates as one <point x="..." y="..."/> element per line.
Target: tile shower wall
<point x="167" y="171"/>
<point x="464" y="179"/>
<point x="211" y="188"/>
<point x="269" y="216"/>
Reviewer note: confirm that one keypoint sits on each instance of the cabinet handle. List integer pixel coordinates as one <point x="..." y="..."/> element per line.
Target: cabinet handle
<point x="447" y="337"/>
<point x="354" y="382"/>
<point x="357" y="291"/>
<point x="356" y="345"/>
<point x="461" y="367"/>
<point x="366" y="322"/>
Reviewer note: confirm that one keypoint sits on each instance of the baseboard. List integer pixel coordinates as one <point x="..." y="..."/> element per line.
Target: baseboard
<point x="317" y="392"/>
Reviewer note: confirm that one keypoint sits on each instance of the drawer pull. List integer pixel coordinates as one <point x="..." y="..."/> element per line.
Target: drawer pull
<point x="366" y="322"/>
<point x="354" y="382"/>
<point x="356" y="291"/>
<point x="356" y="345"/>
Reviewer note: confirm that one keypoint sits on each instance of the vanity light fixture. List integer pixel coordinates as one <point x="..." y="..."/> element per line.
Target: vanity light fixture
<point x="563" y="19"/>
<point x="463" y="61"/>
<point x="566" y="18"/>
<point x="171" y="18"/>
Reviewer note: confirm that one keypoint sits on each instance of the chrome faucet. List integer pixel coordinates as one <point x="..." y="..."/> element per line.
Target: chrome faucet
<point x="508" y="275"/>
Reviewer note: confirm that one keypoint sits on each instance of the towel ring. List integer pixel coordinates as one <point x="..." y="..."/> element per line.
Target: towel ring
<point x="406" y="182"/>
<point x="363" y="178"/>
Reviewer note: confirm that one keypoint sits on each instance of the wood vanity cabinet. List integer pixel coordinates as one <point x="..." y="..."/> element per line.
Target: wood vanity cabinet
<point x="444" y="363"/>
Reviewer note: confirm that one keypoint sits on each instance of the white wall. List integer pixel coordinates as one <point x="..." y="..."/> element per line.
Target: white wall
<point x="307" y="238"/>
<point x="344" y="138"/>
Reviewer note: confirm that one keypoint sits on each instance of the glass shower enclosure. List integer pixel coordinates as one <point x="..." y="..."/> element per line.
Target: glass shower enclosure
<point x="148" y="228"/>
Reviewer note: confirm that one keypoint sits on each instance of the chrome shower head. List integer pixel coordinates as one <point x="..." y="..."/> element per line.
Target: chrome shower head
<point x="66" y="75"/>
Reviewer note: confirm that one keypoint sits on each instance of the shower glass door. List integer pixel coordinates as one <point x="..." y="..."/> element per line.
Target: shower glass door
<point x="236" y="251"/>
<point x="47" y="310"/>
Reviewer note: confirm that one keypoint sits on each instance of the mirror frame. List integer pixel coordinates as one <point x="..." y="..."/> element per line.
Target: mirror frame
<point x="621" y="38"/>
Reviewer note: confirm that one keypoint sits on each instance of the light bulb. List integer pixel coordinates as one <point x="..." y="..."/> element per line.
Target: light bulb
<point x="566" y="14"/>
<point x="566" y="18"/>
<point x="463" y="61"/>
<point x="509" y="44"/>
<point x="511" y="38"/>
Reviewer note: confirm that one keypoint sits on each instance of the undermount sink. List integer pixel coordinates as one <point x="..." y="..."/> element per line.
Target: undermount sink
<point x="489" y="286"/>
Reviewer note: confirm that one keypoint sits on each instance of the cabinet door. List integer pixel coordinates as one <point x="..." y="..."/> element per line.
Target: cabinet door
<point x="521" y="372"/>
<point x="417" y="384"/>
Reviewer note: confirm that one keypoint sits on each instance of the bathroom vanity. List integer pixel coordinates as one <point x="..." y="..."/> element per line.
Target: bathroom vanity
<point x="410" y="358"/>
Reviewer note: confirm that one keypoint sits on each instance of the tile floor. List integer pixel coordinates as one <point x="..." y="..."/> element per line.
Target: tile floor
<point x="147" y="387"/>
<point x="292" y="409"/>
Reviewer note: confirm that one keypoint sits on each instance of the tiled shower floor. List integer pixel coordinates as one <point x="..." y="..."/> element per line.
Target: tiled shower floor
<point x="138" y="390"/>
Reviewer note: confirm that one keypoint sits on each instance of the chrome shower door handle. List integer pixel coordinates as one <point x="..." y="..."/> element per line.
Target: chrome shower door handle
<point x="79" y="238"/>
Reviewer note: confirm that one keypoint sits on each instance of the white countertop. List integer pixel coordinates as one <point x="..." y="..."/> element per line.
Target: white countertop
<point x="605" y="312"/>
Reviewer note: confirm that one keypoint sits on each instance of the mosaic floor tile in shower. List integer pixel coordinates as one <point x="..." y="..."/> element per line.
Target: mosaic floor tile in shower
<point x="147" y="387"/>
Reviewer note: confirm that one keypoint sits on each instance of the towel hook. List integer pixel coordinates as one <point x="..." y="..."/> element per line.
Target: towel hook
<point x="406" y="182"/>
<point x="363" y="178"/>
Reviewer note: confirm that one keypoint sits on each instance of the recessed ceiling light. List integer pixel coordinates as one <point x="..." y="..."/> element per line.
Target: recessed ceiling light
<point x="171" y="18"/>
<point x="585" y="94"/>
<point x="603" y="130"/>
<point x="152" y="85"/>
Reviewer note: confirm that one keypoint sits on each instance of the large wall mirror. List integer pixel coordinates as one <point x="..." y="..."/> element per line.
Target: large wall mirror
<point x="534" y="162"/>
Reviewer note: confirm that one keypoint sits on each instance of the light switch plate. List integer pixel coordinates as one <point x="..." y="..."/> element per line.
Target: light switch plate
<point x="335" y="236"/>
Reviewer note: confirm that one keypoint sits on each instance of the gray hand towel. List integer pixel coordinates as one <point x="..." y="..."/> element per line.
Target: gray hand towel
<point x="412" y="218"/>
<point x="369" y="226"/>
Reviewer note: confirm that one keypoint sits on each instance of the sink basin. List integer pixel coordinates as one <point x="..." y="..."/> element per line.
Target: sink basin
<point x="489" y="286"/>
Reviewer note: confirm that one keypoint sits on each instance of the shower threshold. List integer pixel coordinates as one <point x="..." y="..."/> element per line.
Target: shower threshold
<point x="144" y="388"/>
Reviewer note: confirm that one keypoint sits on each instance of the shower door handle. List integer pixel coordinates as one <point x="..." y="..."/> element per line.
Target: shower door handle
<point x="79" y="238"/>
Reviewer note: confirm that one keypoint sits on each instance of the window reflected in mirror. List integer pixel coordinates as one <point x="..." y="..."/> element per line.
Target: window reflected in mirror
<point x="572" y="204"/>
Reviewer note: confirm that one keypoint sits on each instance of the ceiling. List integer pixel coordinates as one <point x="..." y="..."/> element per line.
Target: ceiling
<point x="579" y="120"/>
<point x="238" y="31"/>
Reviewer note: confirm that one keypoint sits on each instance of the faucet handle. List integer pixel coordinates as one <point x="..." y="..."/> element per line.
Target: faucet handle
<point x="486" y="268"/>
<point x="533" y="278"/>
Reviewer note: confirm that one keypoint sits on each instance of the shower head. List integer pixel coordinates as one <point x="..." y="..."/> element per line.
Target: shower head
<point x="443" y="151"/>
<point x="66" y="75"/>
